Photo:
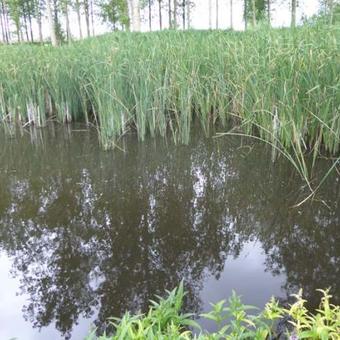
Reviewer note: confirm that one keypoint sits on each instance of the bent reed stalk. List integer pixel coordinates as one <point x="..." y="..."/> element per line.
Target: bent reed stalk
<point x="280" y="85"/>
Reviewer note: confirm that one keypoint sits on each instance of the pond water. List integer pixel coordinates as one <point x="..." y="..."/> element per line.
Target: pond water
<point x="87" y="234"/>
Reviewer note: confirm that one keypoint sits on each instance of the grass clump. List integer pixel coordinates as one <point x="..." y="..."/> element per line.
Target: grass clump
<point x="164" y="320"/>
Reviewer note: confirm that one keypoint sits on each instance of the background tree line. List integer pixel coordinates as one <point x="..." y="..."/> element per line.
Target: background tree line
<point x="22" y="20"/>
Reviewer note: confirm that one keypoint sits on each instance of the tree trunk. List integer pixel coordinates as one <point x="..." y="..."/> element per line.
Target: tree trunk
<point x="183" y="14"/>
<point x="87" y="17"/>
<point x="7" y="24"/>
<point x="2" y="20"/>
<point x="19" y="29"/>
<point x="160" y="14"/>
<point x="269" y="11"/>
<point x="175" y="14"/>
<point x="41" y="39"/>
<point x="293" y="19"/>
<point x="39" y="21"/>
<point x="170" y="14"/>
<point x="188" y="14"/>
<point x="25" y="24"/>
<point x="254" y="12"/>
<point x="331" y="8"/>
<point x="30" y="24"/>
<point x="150" y="15"/>
<point x="79" y="19"/>
<point x="217" y="9"/>
<point x="2" y="28"/>
<point x="92" y="17"/>
<point x="56" y="19"/>
<point x="67" y="21"/>
<point x="28" y="20"/>
<point x="135" y="16"/>
<point x="210" y="14"/>
<point x="38" y="17"/>
<point x="54" y="40"/>
<point x="231" y="15"/>
<point x="245" y="14"/>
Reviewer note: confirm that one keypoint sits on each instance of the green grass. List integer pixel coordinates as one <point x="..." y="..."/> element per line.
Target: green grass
<point x="281" y="86"/>
<point x="233" y="320"/>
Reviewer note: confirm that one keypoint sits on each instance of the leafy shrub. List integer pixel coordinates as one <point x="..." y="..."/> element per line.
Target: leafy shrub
<point x="164" y="320"/>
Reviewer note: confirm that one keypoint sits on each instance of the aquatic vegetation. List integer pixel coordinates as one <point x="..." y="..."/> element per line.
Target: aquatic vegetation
<point x="164" y="320"/>
<point x="281" y="86"/>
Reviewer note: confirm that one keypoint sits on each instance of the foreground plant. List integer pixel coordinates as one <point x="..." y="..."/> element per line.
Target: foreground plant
<point x="233" y="321"/>
<point x="163" y="320"/>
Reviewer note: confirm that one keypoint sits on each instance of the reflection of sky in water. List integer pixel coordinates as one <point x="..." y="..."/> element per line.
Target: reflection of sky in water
<point x="247" y="277"/>
<point x="12" y="322"/>
<point x="85" y="230"/>
<point x="245" y="274"/>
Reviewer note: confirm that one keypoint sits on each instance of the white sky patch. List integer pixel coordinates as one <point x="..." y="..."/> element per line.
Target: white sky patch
<point x="280" y="13"/>
<point x="199" y="17"/>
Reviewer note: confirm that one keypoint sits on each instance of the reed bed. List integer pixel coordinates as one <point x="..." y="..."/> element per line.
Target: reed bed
<point x="281" y="86"/>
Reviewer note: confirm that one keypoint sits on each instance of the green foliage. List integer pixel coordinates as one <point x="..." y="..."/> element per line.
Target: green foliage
<point x="325" y="324"/>
<point x="15" y="12"/>
<point x="115" y="12"/>
<point x="329" y="14"/>
<point x="165" y="321"/>
<point x="260" y="7"/>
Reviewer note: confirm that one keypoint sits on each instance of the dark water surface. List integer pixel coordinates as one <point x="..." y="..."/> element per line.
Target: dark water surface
<point x="87" y="234"/>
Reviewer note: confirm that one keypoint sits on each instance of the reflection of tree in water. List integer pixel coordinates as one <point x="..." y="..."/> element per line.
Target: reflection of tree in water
<point x="308" y="251"/>
<point x="90" y="230"/>
<point x="303" y="243"/>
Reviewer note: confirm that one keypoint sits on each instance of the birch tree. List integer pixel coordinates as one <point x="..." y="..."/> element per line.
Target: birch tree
<point x="65" y="11"/>
<point x="183" y="13"/>
<point x="77" y="9"/>
<point x="38" y="13"/>
<point x="169" y="14"/>
<point x="92" y="17"/>
<point x="14" y="11"/>
<point x="135" y="15"/>
<point x="52" y="23"/>
<point x="175" y="14"/>
<point x="253" y="10"/>
<point x="160" y="14"/>
<point x="217" y="12"/>
<point x="231" y="15"/>
<point x="245" y="14"/>
<point x="293" y="13"/>
<point x="4" y="22"/>
<point x="150" y="14"/>
<point x="329" y="6"/>
<point x="87" y="16"/>
<point x="188" y="7"/>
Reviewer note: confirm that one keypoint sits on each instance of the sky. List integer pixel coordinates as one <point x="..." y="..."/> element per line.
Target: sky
<point x="280" y="14"/>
